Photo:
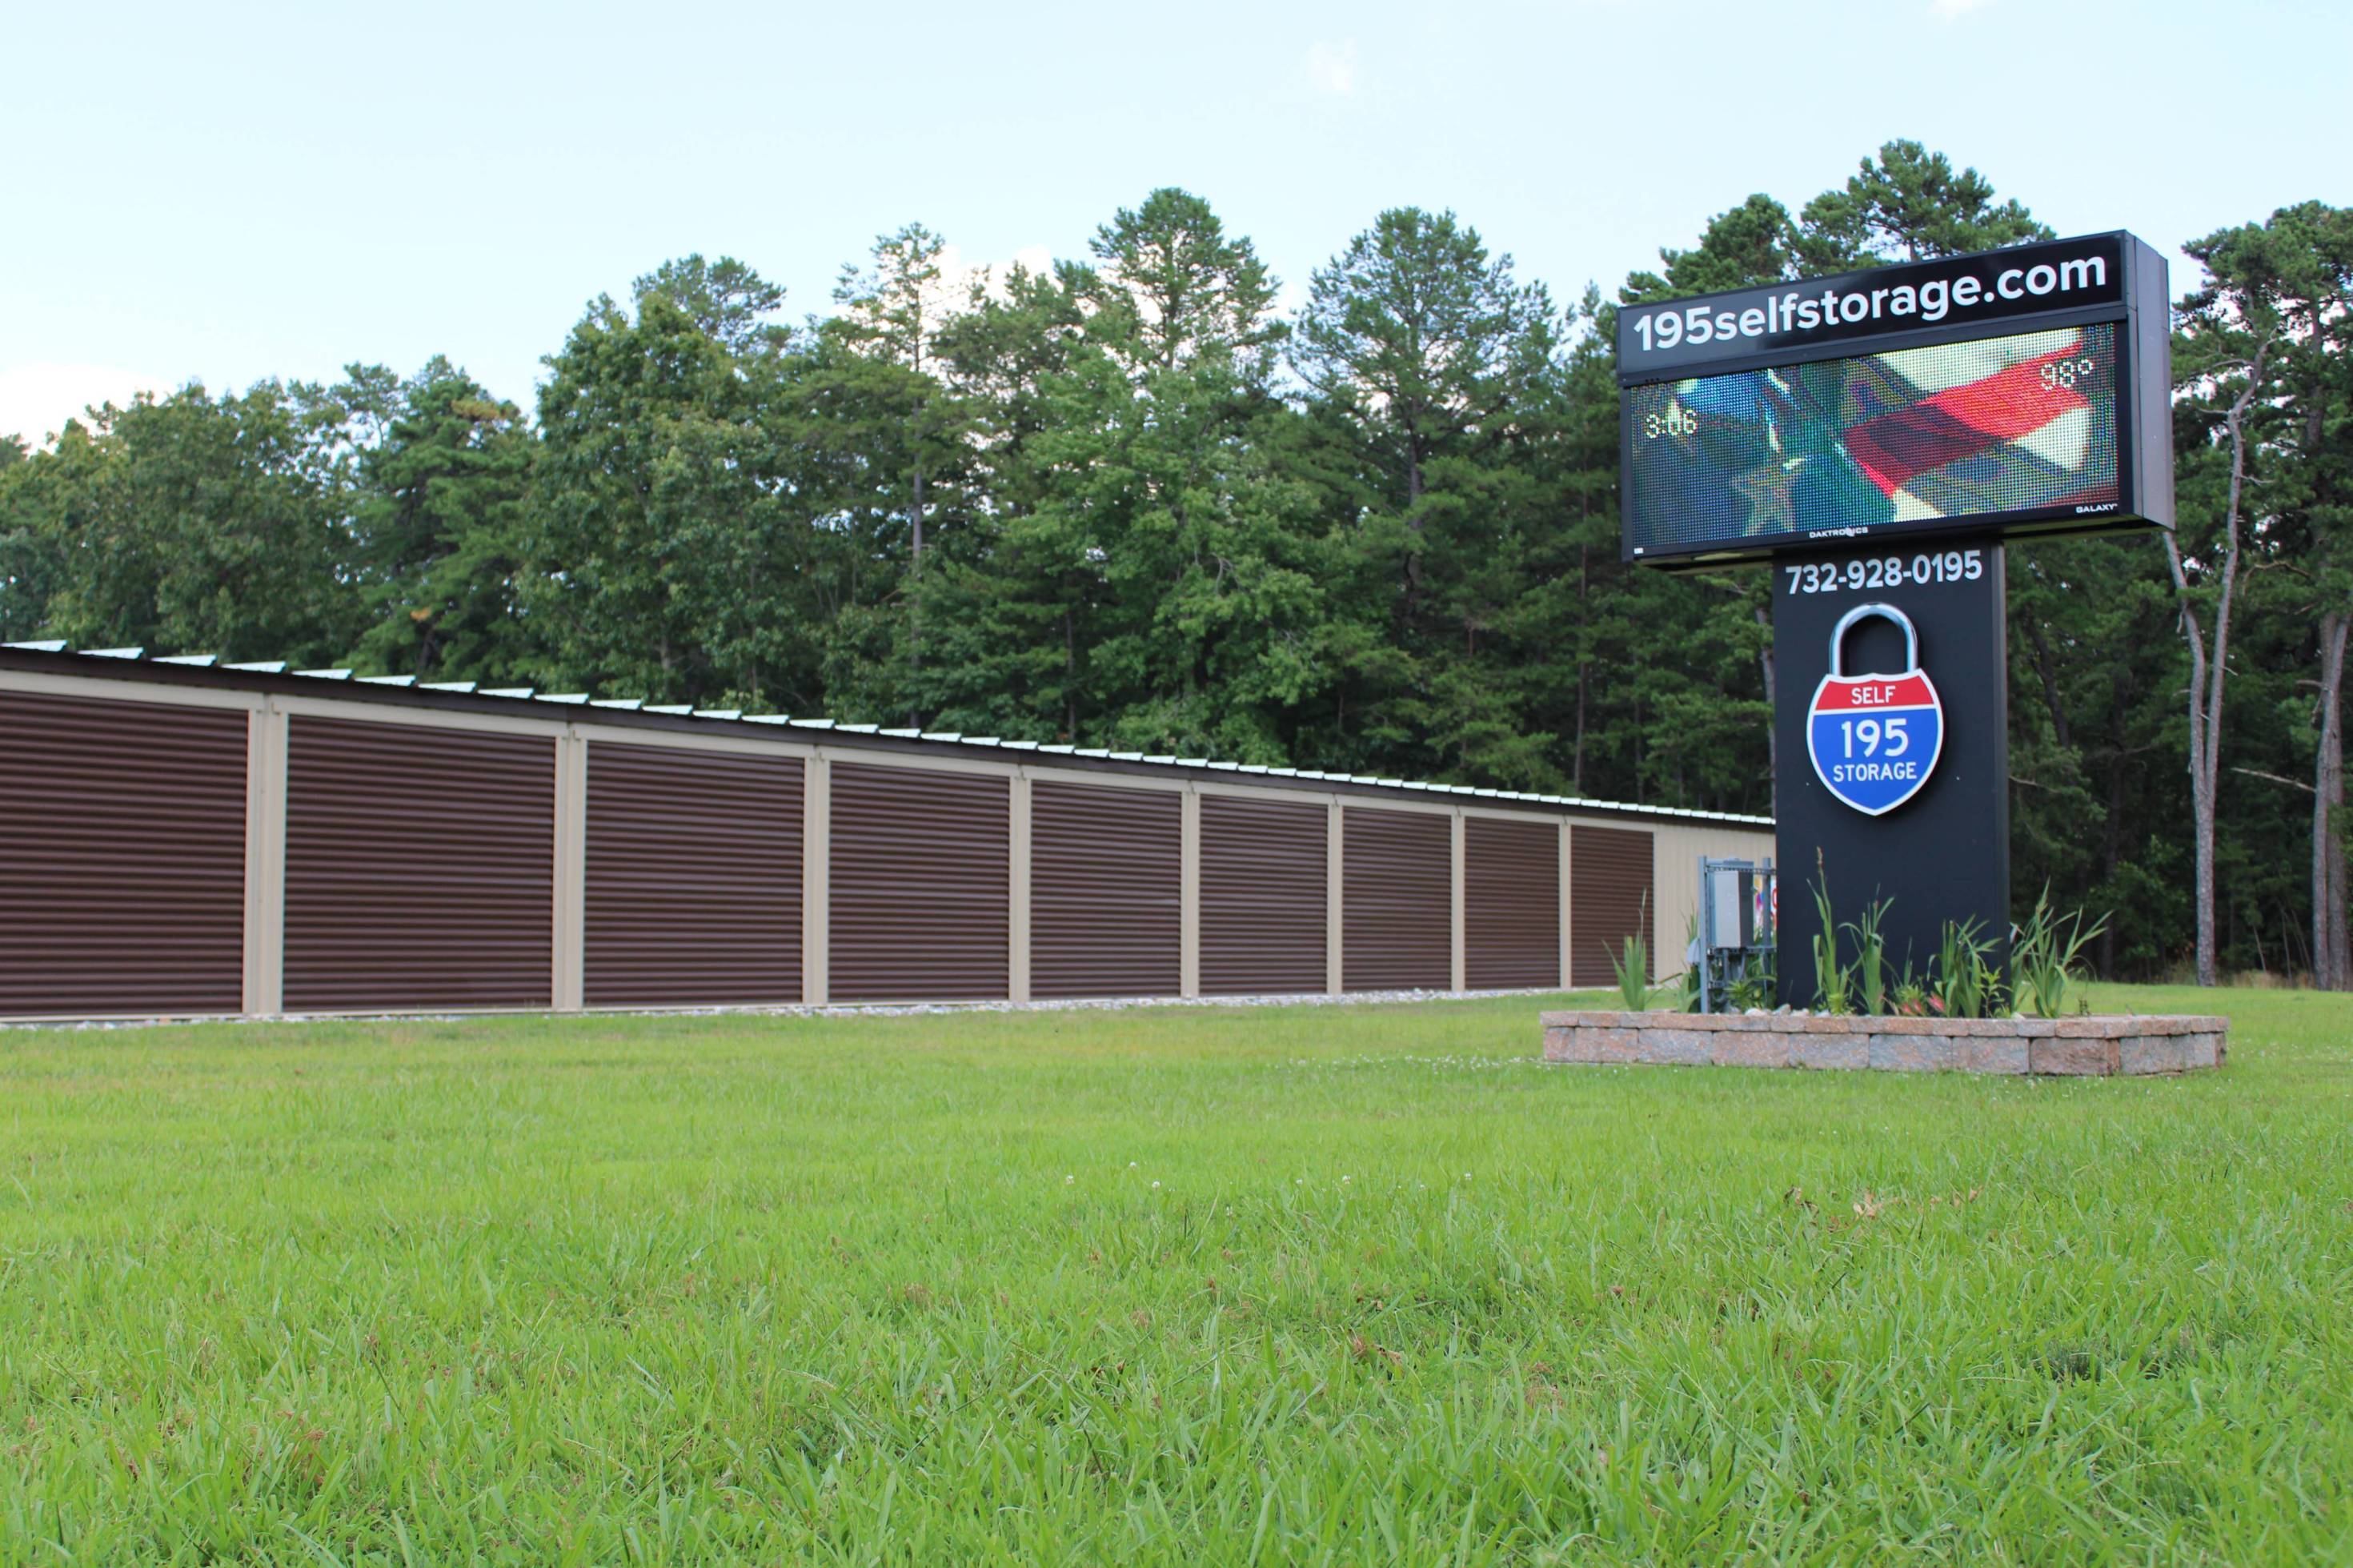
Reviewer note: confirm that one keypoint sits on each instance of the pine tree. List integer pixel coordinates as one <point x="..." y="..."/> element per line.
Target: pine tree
<point x="441" y="525"/>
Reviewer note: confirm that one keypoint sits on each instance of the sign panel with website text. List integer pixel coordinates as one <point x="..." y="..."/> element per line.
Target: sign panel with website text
<point x="2020" y="390"/>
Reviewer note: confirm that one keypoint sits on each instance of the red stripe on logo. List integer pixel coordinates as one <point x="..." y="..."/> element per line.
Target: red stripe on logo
<point x="1843" y="695"/>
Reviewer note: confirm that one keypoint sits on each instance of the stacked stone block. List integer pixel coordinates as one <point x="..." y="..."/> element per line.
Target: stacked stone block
<point x="2064" y="1047"/>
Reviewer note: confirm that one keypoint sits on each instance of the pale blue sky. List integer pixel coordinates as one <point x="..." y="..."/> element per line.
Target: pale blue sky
<point x="233" y="191"/>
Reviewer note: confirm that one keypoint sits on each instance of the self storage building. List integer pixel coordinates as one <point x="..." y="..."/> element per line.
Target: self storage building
<point x="183" y="838"/>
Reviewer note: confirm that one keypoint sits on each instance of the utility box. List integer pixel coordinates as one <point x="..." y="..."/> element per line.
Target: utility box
<point x="1739" y="919"/>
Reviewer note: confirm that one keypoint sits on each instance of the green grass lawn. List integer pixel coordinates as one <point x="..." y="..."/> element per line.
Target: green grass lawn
<point x="1299" y="1285"/>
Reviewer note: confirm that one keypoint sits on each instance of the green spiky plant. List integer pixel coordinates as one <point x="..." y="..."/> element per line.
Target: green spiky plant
<point x="1688" y="984"/>
<point x="1911" y="998"/>
<point x="1631" y="964"/>
<point x="1756" y="988"/>
<point x="2042" y="953"/>
<point x="1871" y="955"/>
<point x="1833" y="984"/>
<point x="1633" y="970"/>
<point x="1965" y="982"/>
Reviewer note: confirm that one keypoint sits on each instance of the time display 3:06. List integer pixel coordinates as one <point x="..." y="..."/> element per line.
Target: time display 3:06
<point x="1887" y="571"/>
<point x="1674" y="420"/>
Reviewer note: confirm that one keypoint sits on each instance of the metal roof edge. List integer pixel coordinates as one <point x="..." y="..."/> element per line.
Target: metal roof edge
<point x="206" y="670"/>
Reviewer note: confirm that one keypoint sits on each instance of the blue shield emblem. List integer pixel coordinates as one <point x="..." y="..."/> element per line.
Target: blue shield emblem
<point x="1875" y="739"/>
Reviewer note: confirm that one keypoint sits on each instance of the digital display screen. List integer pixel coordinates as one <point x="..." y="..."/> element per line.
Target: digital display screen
<point x="1840" y="447"/>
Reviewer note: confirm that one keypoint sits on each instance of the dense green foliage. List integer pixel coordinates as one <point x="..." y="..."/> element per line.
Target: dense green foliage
<point x="1313" y="1283"/>
<point x="1127" y="503"/>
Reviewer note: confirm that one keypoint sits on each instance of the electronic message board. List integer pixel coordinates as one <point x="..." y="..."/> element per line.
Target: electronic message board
<point x="2018" y="391"/>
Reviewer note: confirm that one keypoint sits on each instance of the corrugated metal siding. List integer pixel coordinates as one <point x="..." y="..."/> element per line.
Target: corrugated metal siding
<point x="1106" y="891"/>
<point x="1396" y="900"/>
<point x="693" y="881"/>
<point x="921" y="885"/>
<point x="1608" y="900"/>
<point x="419" y="867"/>
<point x="1262" y="867"/>
<point x="121" y="857"/>
<point x="1510" y="903"/>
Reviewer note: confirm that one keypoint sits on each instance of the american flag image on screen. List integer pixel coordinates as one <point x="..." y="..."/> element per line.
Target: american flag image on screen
<point x="1996" y="425"/>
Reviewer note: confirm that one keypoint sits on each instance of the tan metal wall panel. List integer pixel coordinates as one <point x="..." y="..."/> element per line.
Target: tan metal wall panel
<point x="693" y="877"/>
<point x="121" y="857"/>
<point x="1674" y="896"/>
<point x="1396" y="900"/>
<point x="420" y="867"/>
<point x="1511" y="914"/>
<point x="1609" y="899"/>
<point x="1263" y="894"/>
<point x="1106" y="891"/>
<point x="921" y="896"/>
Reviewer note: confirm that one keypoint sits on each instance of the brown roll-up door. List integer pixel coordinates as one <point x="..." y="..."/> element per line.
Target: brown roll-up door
<point x="1608" y="900"/>
<point x="1106" y="891"/>
<point x="693" y="881"/>
<point x="419" y="867"/>
<point x="921" y="889"/>
<point x="121" y="857"/>
<point x="1510" y="903"/>
<point x="1396" y="900"/>
<point x="1261" y="896"/>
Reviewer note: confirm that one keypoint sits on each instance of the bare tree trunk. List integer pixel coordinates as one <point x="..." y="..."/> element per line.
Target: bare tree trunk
<point x="2047" y="668"/>
<point x="2329" y="948"/>
<point x="915" y="571"/>
<point x="1584" y="596"/>
<point x="2111" y="834"/>
<point x="1637" y="749"/>
<point x="1069" y="677"/>
<point x="1772" y="731"/>
<point x="2206" y="674"/>
<point x="1577" y="757"/>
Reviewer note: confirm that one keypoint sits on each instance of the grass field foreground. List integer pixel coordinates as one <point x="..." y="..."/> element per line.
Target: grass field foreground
<point x="1170" y="1285"/>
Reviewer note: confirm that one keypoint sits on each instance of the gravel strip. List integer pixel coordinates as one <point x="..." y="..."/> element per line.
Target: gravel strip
<point x="831" y="1009"/>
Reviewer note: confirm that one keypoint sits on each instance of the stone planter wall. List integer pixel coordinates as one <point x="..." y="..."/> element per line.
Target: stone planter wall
<point x="2073" y="1047"/>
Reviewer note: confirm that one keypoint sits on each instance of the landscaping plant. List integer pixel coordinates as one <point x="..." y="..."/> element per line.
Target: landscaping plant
<point x="1965" y="982"/>
<point x="1688" y="983"/>
<point x="2042" y="953"/>
<point x="1871" y="955"/>
<point x="1756" y="988"/>
<point x="1832" y="983"/>
<point x="1912" y="997"/>
<point x="1633" y="970"/>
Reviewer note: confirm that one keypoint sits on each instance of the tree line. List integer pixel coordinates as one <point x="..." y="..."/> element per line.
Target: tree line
<point x="1125" y="501"/>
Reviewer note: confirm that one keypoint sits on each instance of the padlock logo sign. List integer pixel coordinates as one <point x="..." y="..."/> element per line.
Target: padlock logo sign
<point x="1875" y="739"/>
